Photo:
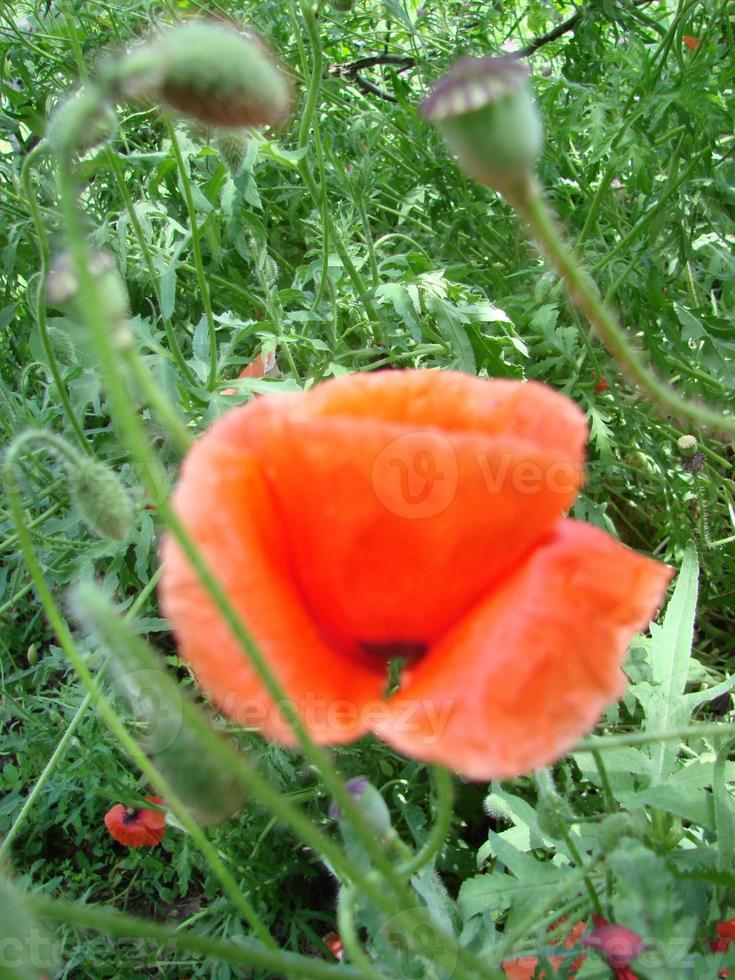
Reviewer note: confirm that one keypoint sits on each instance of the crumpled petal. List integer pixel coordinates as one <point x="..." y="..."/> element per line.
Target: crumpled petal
<point x="532" y="667"/>
<point x="225" y="504"/>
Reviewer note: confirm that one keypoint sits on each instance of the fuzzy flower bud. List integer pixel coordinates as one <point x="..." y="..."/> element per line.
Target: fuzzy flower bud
<point x="219" y="76"/>
<point x="102" y="499"/>
<point x="485" y="111"/>
<point x="231" y="144"/>
<point x="82" y="122"/>
<point x="371" y="804"/>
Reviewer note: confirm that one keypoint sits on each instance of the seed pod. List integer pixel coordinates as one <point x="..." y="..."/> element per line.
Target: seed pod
<point x="221" y="77"/>
<point x="687" y="446"/>
<point x="102" y="498"/>
<point x="485" y="111"/>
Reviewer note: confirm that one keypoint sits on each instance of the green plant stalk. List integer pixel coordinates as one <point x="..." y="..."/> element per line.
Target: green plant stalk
<point x="724" y="820"/>
<point x="319" y="193"/>
<point x="107" y="712"/>
<point x="197" y="250"/>
<point x="12" y="539"/>
<point x="712" y="730"/>
<point x="585" y="295"/>
<point x="348" y="934"/>
<point x="132" y="430"/>
<point x="444" y="789"/>
<point x="66" y="737"/>
<point x="246" y="953"/>
<point x="156" y="398"/>
<point x="43" y="248"/>
<point x="173" y="341"/>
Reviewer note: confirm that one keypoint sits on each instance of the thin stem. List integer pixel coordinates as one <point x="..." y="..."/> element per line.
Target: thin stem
<point x="196" y="249"/>
<point x="156" y="398"/>
<point x="43" y="249"/>
<point x="348" y="934"/>
<point x="722" y="730"/>
<point x="444" y="799"/>
<point x="244" y="953"/>
<point x="584" y="294"/>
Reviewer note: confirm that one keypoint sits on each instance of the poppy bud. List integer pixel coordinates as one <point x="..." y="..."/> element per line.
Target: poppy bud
<point x="552" y="811"/>
<point x="102" y="498"/>
<point x="26" y="949"/>
<point x="231" y="144"/>
<point x="32" y="655"/>
<point x="485" y="111"/>
<point x="62" y="285"/>
<point x="371" y="804"/>
<point x="183" y="746"/>
<point x="220" y="76"/>
<point x="63" y="346"/>
<point x="81" y="122"/>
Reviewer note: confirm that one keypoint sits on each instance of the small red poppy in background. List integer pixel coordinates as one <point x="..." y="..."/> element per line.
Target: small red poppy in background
<point x="263" y="366"/>
<point x="414" y="515"/>
<point x="334" y="944"/>
<point x="524" y="967"/>
<point x="725" y="935"/>
<point x="136" y="826"/>
<point x="691" y="42"/>
<point x="601" y="383"/>
<point x="618" y="944"/>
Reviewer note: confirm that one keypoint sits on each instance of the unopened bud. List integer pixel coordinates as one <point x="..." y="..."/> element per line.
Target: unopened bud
<point x="83" y="121"/>
<point x="102" y="498"/>
<point x="371" y="804"/>
<point x="221" y="76"/>
<point x="231" y="144"/>
<point x="195" y="759"/>
<point x="485" y="111"/>
<point x="32" y="655"/>
<point x="63" y="346"/>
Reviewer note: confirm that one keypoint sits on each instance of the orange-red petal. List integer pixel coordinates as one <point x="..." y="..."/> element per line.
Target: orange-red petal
<point x="226" y="505"/>
<point x="533" y="666"/>
<point x="407" y="495"/>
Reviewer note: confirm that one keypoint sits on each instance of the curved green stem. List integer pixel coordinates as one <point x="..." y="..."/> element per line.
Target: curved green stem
<point x="43" y="248"/>
<point x="197" y="250"/>
<point x="584" y="294"/>
<point x="349" y="937"/>
<point x="444" y="800"/>
<point x="245" y="953"/>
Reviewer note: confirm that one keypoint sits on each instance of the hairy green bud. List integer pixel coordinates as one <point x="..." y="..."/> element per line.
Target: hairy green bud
<point x="372" y="806"/>
<point x="485" y="111"/>
<point x="220" y="76"/>
<point x="231" y="144"/>
<point x="62" y="346"/>
<point x="614" y="827"/>
<point x="104" y="502"/>
<point x="80" y="123"/>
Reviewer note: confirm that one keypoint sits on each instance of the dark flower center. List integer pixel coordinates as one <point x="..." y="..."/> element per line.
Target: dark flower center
<point x="131" y="815"/>
<point x="406" y="650"/>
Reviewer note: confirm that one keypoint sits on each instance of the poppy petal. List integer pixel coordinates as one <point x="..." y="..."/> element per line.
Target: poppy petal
<point x="533" y="666"/>
<point x="407" y="495"/>
<point x="225" y="504"/>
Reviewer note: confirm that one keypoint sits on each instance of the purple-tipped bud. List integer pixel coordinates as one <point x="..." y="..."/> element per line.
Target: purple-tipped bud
<point x="485" y="111"/>
<point x="371" y="804"/>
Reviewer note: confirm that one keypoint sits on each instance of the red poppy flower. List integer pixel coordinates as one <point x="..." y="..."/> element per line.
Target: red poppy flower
<point x="725" y="932"/>
<point x="618" y="944"/>
<point x="413" y="515"/>
<point x="602" y="384"/>
<point x="136" y="827"/>
<point x="334" y="944"/>
<point x="691" y="42"/>
<point x="263" y="366"/>
<point x="524" y="968"/>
